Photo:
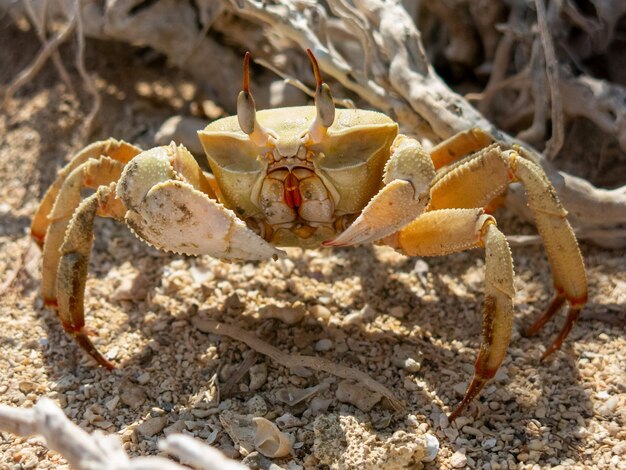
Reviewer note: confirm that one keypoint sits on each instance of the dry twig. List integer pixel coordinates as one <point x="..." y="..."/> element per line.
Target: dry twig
<point x="99" y="451"/>
<point x="292" y="361"/>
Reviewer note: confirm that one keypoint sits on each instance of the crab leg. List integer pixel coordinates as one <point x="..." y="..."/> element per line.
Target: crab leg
<point x="476" y="181"/>
<point x="452" y="230"/>
<point x="89" y="174"/>
<point x="72" y="268"/>
<point x="169" y="212"/>
<point x="458" y="146"/>
<point x="115" y="149"/>
<point x="404" y="197"/>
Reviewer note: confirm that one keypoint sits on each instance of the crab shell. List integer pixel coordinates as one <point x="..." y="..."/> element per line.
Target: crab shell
<point x="349" y="161"/>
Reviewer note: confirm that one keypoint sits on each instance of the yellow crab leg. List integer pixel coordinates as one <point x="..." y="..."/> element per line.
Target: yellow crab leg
<point x="115" y="149"/>
<point x="404" y="197"/>
<point x="458" y="146"/>
<point x="89" y="174"/>
<point x="74" y="261"/>
<point x="452" y="230"/>
<point x="477" y="180"/>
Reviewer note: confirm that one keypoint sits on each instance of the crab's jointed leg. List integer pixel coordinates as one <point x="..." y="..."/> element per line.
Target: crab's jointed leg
<point x="404" y="197"/>
<point x="91" y="173"/>
<point x="458" y="146"/>
<point x="74" y="261"/>
<point x="114" y="149"/>
<point x="162" y="194"/>
<point x="477" y="180"/>
<point x="452" y="230"/>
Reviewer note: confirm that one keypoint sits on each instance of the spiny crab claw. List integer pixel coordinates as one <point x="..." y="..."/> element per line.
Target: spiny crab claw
<point x="172" y="215"/>
<point x="390" y="210"/>
<point x="404" y="197"/>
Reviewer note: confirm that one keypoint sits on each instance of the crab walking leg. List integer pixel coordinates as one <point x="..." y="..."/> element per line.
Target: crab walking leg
<point x="167" y="210"/>
<point x="89" y="174"/>
<point x="72" y="271"/>
<point x="115" y="149"/>
<point x="458" y="146"/>
<point x="404" y="197"/>
<point x="477" y="180"/>
<point x="453" y="230"/>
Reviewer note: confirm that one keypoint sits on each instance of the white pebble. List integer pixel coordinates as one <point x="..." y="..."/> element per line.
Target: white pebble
<point x="489" y="443"/>
<point x="324" y="345"/>
<point x="458" y="459"/>
<point x="432" y="448"/>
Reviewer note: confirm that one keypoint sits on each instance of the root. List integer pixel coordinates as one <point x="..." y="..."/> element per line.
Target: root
<point x="33" y="69"/>
<point x="296" y="361"/>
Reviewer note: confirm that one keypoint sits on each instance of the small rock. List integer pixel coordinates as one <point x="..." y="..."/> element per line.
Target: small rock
<point x="27" y="386"/>
<point x="178" y="427"/>
<point x="321" y="313"/>
<point x="460" y="388"/>
<point x="411" y="365"/>
<point x="397" y="312"/>
<point x="256" y="406"/>
<point x="324" y="345"/>
<point x="132" y="288"/>
<point x="287" y="421"/>
<point x="233" y="303"/>
<point x="288" y="314"/>
<point x="144" y="378"/>
<point x="489" y="443"/>
<point x="152" y="426"/>
<point x="132" y="395"/>
<point x="611" y="403"/>
<point x="458" y="459"/>
<point x="258" y="376"/>
<point x="432" y="448"/>
<point x="112" y="403"/>
<point x="319" y="405"/>
<point x="357" y="395"/>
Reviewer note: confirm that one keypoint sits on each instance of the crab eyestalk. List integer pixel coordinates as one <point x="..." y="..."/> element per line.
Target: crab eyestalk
<point x="246" y="110"/>
<point x="323" y="104"/>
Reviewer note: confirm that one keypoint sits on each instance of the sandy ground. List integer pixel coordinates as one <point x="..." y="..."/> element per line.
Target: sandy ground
<point x="367" y="308"/>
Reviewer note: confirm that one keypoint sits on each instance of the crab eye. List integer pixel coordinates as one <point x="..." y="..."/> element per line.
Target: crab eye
<point x="246" y="110"/>
<point x="323" y="104"/>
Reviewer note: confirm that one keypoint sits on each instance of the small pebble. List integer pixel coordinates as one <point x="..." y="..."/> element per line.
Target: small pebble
<point x="357" y="395"/>
<point x="458" y="459"/>
<point x="144" y="378"/>
<point x="132" y="395"/>
<point x="152" y="426"/>
<point x="489" y="443"/>
<point x="324" y="345"/>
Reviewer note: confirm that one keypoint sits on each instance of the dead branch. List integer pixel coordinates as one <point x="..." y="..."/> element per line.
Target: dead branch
<point x="99" y="451"/>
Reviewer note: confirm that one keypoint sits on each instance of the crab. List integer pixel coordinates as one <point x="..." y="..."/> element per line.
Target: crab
<point x="309" y="176"/>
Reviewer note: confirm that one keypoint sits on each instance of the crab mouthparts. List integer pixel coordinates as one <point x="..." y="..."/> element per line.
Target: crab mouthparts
<point x="292" y="192"/>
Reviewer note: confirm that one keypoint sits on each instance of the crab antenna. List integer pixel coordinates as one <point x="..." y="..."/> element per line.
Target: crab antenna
<point x="323" y="104"/>
<point x="246" y="110"/>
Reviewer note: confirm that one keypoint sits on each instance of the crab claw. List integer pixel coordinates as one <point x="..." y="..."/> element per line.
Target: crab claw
<point x="405" y="196"/>
<point x="172" y="215"/>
